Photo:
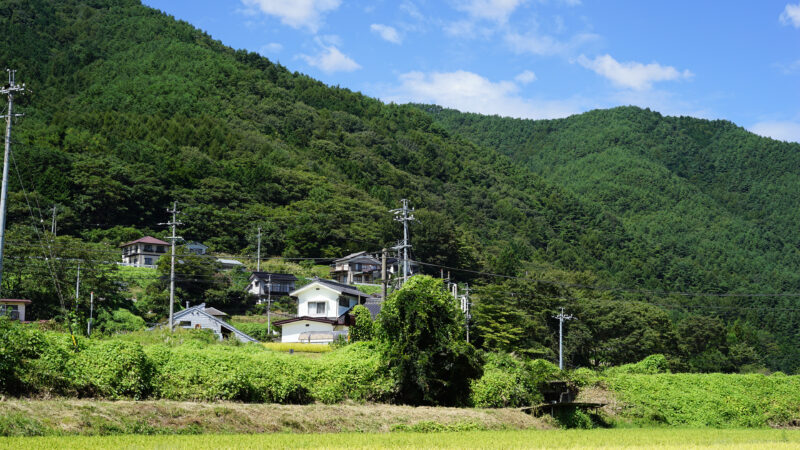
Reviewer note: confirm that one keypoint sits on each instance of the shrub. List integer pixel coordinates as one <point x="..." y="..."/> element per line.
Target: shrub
<point x="653" y="364"/>
<point x="112" y="369"/>
<point x="584" y="377"/>
<point x="506" y="382"/>
<point x="47" y="372"/>
<point x="119" y="320"/>
<point x="362" y="328"/>
<point x="255" y="330"/>
<point x="422" y="336"/>
<point x="17" y="342"/>
<point x="212" y="373"/>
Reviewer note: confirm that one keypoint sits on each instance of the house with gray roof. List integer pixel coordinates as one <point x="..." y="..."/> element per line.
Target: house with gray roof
<point x="324" y="312"/>
<point x="200" y="317"/>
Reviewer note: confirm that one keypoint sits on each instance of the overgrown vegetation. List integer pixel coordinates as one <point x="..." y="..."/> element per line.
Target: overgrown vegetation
<point x="130" y="110"/>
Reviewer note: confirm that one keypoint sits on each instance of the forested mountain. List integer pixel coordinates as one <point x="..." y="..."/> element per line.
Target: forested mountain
<point x="130" y="109"/>
<point x="715" y="206"/>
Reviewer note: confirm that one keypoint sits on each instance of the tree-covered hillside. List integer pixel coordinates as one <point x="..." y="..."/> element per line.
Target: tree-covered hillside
<point x="715" y="205"/>
<point x="129" y="110"/>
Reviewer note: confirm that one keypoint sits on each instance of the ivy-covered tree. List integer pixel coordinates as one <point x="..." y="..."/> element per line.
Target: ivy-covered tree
<point x="422" y="331"/>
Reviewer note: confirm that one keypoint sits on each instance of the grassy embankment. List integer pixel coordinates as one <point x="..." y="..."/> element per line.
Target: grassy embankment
<point x="610" y="439"/>
<point x="96" y="417"/>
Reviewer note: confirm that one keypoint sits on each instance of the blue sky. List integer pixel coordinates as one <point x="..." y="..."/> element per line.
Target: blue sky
<point x="737" y="60"/>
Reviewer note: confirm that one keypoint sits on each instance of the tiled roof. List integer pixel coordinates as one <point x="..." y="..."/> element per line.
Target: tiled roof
<point x="215" y="312"/>
<point x="341" y="287"/>
<point x="275" y="276"/>
<point x="15" y="300"/>
<point x="145" y="240"/>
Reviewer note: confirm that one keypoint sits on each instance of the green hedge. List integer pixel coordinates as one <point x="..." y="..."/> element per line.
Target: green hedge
<point x="717" y="400"/>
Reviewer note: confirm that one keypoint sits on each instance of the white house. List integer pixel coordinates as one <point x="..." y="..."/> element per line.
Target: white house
<point x="200" y="317"/>
<point x="198" y="248"/>
<point x="143" y="252"/>
<point x="323" y="312"/>
<point x="272" y="284"/>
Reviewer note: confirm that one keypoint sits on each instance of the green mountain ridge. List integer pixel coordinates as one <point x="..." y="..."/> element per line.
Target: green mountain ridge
<point x="130" y="109"/>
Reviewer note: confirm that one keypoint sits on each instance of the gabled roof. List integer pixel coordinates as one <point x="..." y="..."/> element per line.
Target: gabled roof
<point x="215" y="312"/>
<point x="275" y="276"/>
<point x="350" y="256"/>
<point x="146" y="240"/>
<point x="338" y="287"/>
<point x="359" y="256"/>
<point x="201" y="309"/>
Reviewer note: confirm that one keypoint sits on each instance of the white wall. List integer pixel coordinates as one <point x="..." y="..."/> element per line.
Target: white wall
<point x="318" y="294"/>
<point x="290" y="332"/>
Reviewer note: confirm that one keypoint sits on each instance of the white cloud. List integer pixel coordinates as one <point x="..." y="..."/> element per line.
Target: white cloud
<point x="525" y="77"/>
<point x="295" y="13"/>
<point x="494" y="10"/>
<point x="544" y="45"/>
<point x="791" y="15"/>
<point x="330" y="60"/>
<point x="632" y="75"/>
<point x="470" y="92"/>
<point x="386" y="32"/>
<point x="783" y="131"/>
<point x="270" y="49"/>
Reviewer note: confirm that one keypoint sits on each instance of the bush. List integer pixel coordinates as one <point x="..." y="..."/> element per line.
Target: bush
<point x="17" y="342"/>
<point x="362" y="329"/>
<point x="119" y="320"/>
<point x="584" y="377"/>
<point x="256" y="330"/>
<point x="653" y="364"/>
<point x="112" y="369"/>
<point x="506" y="382"/>
<point x="422" y="337"/>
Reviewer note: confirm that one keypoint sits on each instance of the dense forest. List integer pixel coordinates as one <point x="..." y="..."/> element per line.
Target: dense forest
<point x="617" y="213"/>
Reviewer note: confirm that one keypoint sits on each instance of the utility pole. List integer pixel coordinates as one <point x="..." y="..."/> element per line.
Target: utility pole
<point x="8" y="91"/>
<point x="383" y="275"/>
<point x="53" y="224"/>
<point x="404" y="215"/>
<point x="258" y="251"/>
<point x="77" y="287"/>
<point x="173" y="223"/>
<point x="466" y="306"/>
<point x="269" y="304"/>
<point x="561" y="318"/>
<point x="91" y="311"/>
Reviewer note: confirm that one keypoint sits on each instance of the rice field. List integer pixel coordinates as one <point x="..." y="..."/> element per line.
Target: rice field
<point x="633" y="438"/>
<point x="297" y="347"/>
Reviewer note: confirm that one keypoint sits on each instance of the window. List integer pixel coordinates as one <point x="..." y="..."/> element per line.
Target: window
<point x="148" y="261"/>
<point x="316" y="308"/>
<point x="148" y="248"/>
<point x="344" y="301"/>
<point x="12" y="311"/>
<point x="185" y="323"/>
<point x="160" y="249"/>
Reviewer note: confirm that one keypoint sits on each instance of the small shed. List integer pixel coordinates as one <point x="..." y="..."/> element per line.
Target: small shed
<point x="14" y="308"/>
<point x="198" y="317"/>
